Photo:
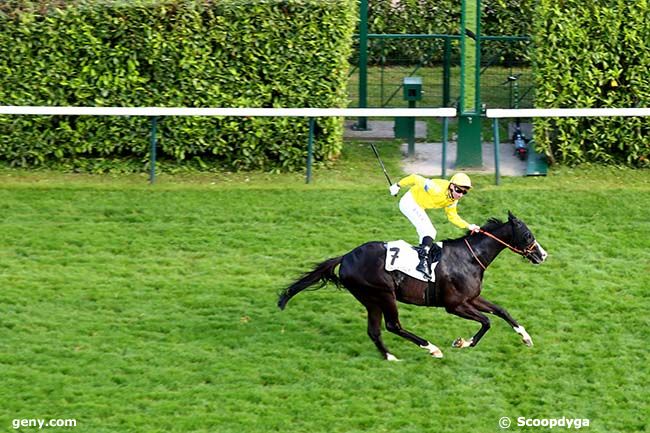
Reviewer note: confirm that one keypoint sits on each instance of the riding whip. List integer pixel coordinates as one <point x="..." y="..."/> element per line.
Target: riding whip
<point x="374" y="149"/>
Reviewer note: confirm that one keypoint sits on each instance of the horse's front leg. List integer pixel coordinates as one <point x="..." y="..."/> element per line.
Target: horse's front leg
<point x="468" y="311"/>
<point x="486" y="306"/>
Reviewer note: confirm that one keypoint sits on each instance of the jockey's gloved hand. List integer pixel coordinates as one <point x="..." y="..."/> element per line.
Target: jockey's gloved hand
<point x="473" y="228"/>
<point x="394" y="189"/>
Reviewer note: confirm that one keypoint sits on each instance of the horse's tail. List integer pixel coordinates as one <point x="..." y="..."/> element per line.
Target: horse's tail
<point x="322" y="273"/>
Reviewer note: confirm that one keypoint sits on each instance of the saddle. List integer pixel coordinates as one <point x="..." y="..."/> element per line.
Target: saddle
<point x="402" y="256"/>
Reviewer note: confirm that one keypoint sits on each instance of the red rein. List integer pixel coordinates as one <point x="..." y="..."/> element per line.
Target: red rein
<point x="525" y="252"/>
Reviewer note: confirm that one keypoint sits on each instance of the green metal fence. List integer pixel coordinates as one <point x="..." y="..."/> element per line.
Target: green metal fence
<point x="506" y="78"/>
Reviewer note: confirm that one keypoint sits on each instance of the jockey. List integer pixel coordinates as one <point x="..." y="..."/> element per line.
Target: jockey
<point x="432" y="194"/>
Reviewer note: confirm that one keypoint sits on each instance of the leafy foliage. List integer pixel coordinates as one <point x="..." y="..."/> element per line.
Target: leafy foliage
<point x="273" y="53"/>
<point x="593" y="54"/>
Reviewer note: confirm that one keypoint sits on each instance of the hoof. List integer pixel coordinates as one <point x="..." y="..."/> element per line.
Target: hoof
<point x="525" y="337"/>
<point x="433" y="350"/>
<point x="461" y="343"/>
<point x="391" y="357"/>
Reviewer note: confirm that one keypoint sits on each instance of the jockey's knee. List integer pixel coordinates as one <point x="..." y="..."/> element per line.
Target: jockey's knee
<point x="428" y="234"/>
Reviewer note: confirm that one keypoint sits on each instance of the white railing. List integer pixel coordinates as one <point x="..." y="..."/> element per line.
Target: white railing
<point x="236" y="112"/>
<point x="522" y="113"/>
<point x="156" y="112"/>
<point x="500" y="113"/>
<point x="311" y="113"/>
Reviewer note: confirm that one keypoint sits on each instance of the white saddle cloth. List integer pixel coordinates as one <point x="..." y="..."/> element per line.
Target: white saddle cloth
<point x="402" y="256"/>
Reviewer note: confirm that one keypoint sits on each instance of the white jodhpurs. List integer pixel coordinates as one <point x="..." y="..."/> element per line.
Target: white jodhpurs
<point x="417" y="216"/>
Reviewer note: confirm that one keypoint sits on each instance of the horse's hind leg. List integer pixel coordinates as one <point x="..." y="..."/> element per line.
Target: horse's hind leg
<point x="374" y="331"/>
<point x="486" y="306"/>
<point x="391" y="316"/>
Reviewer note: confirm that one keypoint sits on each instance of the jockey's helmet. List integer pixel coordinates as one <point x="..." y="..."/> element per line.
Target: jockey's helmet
<point x="461" y="179"/>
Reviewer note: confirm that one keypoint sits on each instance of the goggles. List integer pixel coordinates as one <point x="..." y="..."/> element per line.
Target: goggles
<point x="459" y="190"/>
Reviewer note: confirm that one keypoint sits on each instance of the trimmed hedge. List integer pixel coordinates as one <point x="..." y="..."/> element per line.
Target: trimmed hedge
<point x="202" y="53"/>
<point x="593" y="55"/>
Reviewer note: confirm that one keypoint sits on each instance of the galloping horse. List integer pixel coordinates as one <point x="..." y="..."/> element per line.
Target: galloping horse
<point x="458" y="278"/>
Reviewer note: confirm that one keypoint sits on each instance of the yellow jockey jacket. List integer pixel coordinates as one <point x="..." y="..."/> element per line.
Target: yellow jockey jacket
<point x="434" y="194"/>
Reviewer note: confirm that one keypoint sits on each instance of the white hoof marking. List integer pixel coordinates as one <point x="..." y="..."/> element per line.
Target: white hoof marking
<point x="461" y="343"/>
<point x="542" y="251"/>
<point x="391" y="357"/>
<point x="433" y="350"/>
<point x="524" y="335"/>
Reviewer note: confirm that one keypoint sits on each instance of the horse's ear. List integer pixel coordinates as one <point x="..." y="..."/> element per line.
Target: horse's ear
<point x="511" y="217"/>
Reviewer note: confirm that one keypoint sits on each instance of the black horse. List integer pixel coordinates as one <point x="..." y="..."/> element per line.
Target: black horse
<point x="457" y="288"/>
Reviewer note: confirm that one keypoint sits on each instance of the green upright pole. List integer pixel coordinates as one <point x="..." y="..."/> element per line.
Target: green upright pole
<point x="497" y="146"/>
<point x="411" y="133"/>
<point x="446" y="74"/>
<point x="310" y="149"/>
<point x="445" y="137"/>
<point x="446" y="99"/>
<point x="469" y="122"/>
<point x="362" y="122"/>
<point x="152" y="150"/>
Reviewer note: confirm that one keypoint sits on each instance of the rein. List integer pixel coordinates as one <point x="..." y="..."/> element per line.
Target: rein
<point x="471" y="250"/>
<point x="529" y="249"/>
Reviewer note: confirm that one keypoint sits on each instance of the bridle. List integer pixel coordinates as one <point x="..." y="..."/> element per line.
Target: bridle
<point x="525" y="252"/>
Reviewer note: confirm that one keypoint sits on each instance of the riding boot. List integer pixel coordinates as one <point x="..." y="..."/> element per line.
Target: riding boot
<point x="423" y="254"/>
<point x="435" y="253"/>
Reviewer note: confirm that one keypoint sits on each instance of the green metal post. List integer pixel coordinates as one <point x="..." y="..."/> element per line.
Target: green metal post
<point x="497" y="146"/>
<point x="445" y="137"/>
<point x="152" y="150"/>
<point x="469" y="124"/>
<point x="470" y="46"/>
<point x="382" y="75"/>
<point x="362" y="122"/>
<point x="411" y="134"/>
<point x="310" y="149"/>
<point x="446" y="74"/>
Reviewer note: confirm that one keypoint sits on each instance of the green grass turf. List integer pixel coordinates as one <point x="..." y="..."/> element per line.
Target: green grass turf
<point x="137" y="308"/>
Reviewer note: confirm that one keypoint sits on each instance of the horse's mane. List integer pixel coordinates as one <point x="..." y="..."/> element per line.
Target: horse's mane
<point x="491" y="225"/>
